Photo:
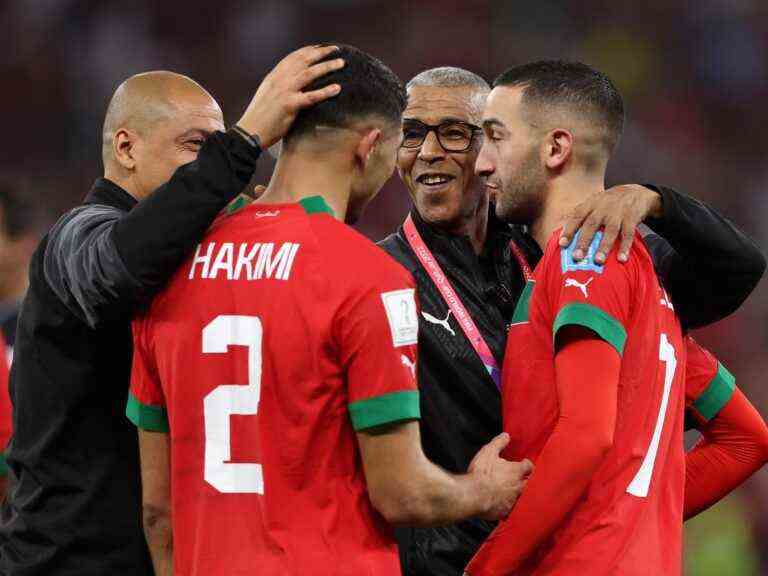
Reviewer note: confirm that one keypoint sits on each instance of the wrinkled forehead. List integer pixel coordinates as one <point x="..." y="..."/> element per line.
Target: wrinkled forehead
<point x="435" y="104"/>
<point x="201" y="114"/>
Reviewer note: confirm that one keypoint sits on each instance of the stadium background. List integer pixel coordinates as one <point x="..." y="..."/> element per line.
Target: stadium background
<point x="694" y="75"/>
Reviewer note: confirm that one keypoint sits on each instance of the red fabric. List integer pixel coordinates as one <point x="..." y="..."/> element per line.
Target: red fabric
<point x="587" y="371"/>
<point x="700" y="370"/>
<point x="734" y="445"/>
<point x="309" y="337"/>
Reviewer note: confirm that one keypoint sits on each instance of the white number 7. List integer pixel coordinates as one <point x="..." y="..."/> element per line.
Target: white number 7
<point x="228" y="399"/>
<point x="642" y="480"/>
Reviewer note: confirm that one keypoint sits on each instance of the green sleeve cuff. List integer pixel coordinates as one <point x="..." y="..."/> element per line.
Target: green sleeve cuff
<point x="385" y="409"/>
<point x="717" y="394"/>
<point x="3" y="465"/>
<point x="600" y="322"/>
<point x="146" y="416"/>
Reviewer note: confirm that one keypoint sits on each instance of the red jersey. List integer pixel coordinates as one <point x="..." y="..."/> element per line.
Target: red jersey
<point x="629" y="520"/>
<point x="709" y="385"/>
<point x="284" y="334"/>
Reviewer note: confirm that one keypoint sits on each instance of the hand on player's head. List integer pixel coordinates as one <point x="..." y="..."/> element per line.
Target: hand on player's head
<point x="281" y="94"/>
<point x="501" y="481"/>
<point x="358" y="129"/>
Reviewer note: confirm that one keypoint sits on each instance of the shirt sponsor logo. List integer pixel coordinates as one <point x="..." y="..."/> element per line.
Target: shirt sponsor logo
<point x="573" y="283"/>
<point x="243" y="261"/>
<point x="400" y="306"/>
<point x="444" y="323"/>
<point x="266" y="214"/>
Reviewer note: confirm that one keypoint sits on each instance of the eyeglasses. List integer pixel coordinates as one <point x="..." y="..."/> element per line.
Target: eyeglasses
<point x="453" y="136"/>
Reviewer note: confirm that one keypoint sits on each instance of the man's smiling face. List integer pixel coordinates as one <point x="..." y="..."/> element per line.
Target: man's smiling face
<point x="442" y="184"/>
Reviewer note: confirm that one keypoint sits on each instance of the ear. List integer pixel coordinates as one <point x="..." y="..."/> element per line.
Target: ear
<point x="123" y="148"/>
<point x="559" y="148"/>
<point x="366" y="145"/>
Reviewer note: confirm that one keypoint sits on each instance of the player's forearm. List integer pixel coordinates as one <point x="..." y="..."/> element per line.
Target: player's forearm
<point x="733" y="447"/>
<point x="162" y="561"/>
<point x="430" y="496"/>
<point x="408" y="489"/>
<point x="159" y="534"/>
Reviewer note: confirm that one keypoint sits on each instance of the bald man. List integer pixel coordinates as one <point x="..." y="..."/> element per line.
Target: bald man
<point x="169" y="168"/>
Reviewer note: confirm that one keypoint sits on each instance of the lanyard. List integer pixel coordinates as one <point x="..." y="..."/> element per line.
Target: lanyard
<point x="521" y="260"/>
<point x="452" y="300"/>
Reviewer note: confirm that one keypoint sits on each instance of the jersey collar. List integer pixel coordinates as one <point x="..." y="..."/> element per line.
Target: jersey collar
<point x="315" y="204"/>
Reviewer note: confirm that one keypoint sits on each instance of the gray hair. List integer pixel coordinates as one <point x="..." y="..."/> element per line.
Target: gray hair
<point x="448" y="77"/>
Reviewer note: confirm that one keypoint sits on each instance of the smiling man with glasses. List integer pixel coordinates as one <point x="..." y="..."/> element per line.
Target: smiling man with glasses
<point x="470" y="270"/>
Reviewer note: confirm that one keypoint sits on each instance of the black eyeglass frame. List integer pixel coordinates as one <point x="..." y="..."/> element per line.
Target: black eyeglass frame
<point x="436" y="129"/>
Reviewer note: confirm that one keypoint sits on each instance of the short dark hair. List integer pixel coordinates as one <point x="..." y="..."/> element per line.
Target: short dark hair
<point x="368" y="88"/>
<point x="574" y="85"/>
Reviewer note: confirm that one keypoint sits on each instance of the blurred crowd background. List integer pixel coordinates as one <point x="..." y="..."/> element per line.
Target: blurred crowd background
<point x="694" y="76"/>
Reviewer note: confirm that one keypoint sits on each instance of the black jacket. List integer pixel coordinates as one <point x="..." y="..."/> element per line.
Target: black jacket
<point x="74" y="505"/>
<point x="709" y="269"/>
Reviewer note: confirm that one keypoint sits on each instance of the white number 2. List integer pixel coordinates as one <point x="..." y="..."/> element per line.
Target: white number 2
<point x="642" y="480"/>
<point x="228" y="399"/>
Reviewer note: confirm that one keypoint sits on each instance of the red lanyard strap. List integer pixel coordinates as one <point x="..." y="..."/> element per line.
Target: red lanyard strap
<point x="442" y="283"/>
<point x="521" y="260"/>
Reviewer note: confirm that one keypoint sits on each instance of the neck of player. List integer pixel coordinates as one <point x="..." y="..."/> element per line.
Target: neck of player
<point x="563" y="194"/>
<point x="301" y="175"/>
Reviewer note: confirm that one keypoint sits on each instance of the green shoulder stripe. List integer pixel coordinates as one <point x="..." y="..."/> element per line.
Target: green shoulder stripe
<point x="602" y="323"/>
<point x="717" y="394"/>
<point x="146" y="416"/>
<point x="385" y="409"/>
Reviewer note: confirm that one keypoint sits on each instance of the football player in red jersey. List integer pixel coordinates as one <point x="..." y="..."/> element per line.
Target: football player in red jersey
<point x="599" y="391"/>
<point x="274" y="377"/>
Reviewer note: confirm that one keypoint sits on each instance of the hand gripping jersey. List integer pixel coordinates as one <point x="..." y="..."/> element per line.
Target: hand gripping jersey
<point x="281" y="336"/>
<point x="629" y="520"/>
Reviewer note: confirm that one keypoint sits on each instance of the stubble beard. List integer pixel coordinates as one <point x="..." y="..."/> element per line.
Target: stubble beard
<point x="520" y="199"/>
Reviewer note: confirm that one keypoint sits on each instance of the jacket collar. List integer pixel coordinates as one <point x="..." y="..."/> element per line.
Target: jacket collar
<point x="107" y="192"/>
